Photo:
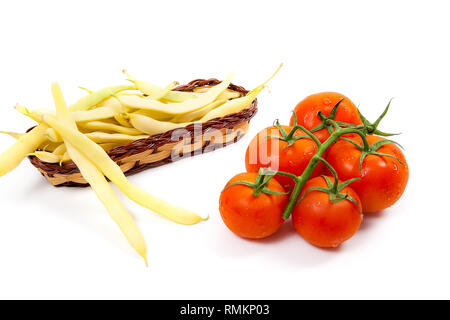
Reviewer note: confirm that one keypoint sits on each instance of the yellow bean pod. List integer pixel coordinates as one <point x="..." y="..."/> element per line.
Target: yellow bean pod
<point x="98" y="182"/>
<point x="96" y="97"/>
<point x="163" y="92"/>
<point x="48" y="146"/>
<point x="152" y="126"/>
<point x="152" y="90"/>
<point x="52" y="135"/>
<point x="25" y="145"/>
<point x="95" y="114"/>
<point x="98" y="125"/>
<point x="35" y="114"/>
<point x="101" y="159"/>
<point x="176" y="108"/>
<point x="103" y="137"/>
<point x="15" y="135"/>
<point x="122" y="119"/>
<point x="114" y="103"/>
<point x="60" y="150"/>
<point x="239" y="104"/>
<point x="47" y="156"/>
<point x="109" y="145"/>
<point x="152" y="114"/>
<point x="196" y="115"/>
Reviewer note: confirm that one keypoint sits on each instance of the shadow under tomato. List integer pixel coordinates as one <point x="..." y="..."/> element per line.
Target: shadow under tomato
<point x="286" y="230"/>
<point x="370" y="219"/>
<point x="286" y="247"/>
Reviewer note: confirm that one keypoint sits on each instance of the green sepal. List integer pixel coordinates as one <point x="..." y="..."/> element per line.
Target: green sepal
<point x="347" y="183"/>
<point x="260" y="186"/>
<point x="335" y="195"/>
<point x="240" y="182"/>
<point x="271" y="192"/>
<point x="290" y="137"/>
<point x="372" y="128"/>
<point x="373" y="149"/>
<point x="325" y="119"/>
<point x="313" y="189"/>
<point x="345" y="196"/>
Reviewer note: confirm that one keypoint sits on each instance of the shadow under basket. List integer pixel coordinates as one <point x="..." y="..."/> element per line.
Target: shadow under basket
<point x="162" y="148"/>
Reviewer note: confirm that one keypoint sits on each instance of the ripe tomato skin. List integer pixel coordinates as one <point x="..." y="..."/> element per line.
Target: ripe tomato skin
<point x="307" y="109"/>
<point x="383" y="179"/>
<point x="323" y="223"/>
<point x="263" y="151"/>
<point x="249" y="216"/>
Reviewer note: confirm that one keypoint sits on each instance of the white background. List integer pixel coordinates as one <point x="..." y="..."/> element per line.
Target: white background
<point x="60" y="243"/>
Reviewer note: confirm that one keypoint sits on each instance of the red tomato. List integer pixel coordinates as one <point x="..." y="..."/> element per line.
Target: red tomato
<point x="264" y="151"/>
<point x="308" y="108"/>
<point x="383" y="179"/>
<point x="251" y="216"/>
<point x="322" y="222"/>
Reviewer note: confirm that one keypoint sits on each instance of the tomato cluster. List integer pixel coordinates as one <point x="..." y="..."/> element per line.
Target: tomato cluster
<point x="327" y="168"/>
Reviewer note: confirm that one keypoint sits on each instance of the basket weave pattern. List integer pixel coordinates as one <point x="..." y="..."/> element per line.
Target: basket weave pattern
<point x="162" y="148"/>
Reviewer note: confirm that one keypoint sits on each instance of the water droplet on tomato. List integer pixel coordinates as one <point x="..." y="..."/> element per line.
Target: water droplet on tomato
<point x="326" y="101"/>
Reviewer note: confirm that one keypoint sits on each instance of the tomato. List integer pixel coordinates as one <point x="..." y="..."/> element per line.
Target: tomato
<point x="324" y="223"/>
<point x="264" y="151"/>
<point x="383" y="179"/>
<point x="308" y="108"/>
<point x="251" y="216"/>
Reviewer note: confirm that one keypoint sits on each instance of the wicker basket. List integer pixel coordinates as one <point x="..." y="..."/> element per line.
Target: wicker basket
<point x="162" y="148"/>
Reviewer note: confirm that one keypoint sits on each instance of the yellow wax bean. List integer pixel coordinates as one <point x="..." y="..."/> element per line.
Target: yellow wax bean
<point x="65" y="157"/>
<point x="158" y="94"/>
<point x="122" y="119"/>
<point x="48" y="146"/>
<point x="60" y="150"/>
<point x="114" y="103"/>
<point x="52" y="135"/>
<point x="153" y="90"/>
<point x="176" y="108"/>
<point x="95" y="114"/>
<point x="151" y="126"/>
<point x="47" y="156"/>
<point x="196" y="115"/>
<point x="25" y="145"/>
<point x="228" y="95"/>
<point x="35" y="114"/>
<point x="104" y="126"/>
<point x="101" y="159"/>
<point x="98" y="96"/>
<point x="98" y="182"/>
<point x="86" y="89"/>
<point x="237" y="105"/>
<point x="152" y="114"/>
<point x="101" y="113"/>
<point x="15" y="135"/>
<point x="231" y="106"/>
<point x="192" y="116"/>
<point x="179" y="96"/>
<point x="109" y="199"/>
<point x="130" y="92"/>
<point x="108" y="146"/>
<point x="102" y="137"/>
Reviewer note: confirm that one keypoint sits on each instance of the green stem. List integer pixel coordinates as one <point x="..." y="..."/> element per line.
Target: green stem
<point x="301" y="180"/>
<point x="333" y="172"/>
